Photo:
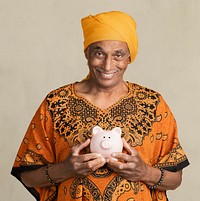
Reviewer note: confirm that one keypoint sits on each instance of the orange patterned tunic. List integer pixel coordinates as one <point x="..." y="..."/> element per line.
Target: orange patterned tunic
<point x="65" y="119"/>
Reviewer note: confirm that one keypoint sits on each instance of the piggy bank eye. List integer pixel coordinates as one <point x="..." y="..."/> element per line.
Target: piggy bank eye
<point x="104" y="137"/>
<point x="109" y="137"/>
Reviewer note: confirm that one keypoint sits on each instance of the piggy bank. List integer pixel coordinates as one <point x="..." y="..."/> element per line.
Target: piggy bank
<point x="106" y="142"/>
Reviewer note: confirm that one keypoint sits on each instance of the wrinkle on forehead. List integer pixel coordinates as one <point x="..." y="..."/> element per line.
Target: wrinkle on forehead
<point x="113" y="46"/>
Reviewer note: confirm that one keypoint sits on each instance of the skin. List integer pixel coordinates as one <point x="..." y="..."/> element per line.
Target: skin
<point x="107" y="61"/>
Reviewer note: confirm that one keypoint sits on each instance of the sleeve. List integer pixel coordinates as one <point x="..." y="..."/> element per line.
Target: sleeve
<point x="171" y="155"/>
<point x="37" y="149"/>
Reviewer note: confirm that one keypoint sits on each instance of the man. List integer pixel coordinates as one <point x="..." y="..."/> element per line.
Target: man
<point x="54" y="161"/>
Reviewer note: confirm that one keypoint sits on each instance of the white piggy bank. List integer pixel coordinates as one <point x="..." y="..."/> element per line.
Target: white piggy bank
<point x="106" y="142"/>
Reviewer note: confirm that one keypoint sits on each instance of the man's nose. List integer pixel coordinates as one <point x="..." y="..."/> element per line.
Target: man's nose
<point x="108" y="63"/>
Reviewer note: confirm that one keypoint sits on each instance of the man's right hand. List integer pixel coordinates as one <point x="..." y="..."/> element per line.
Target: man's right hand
<point x="77" y="165"/>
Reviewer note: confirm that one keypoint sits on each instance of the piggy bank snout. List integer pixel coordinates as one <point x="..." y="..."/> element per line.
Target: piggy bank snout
<point x="106" y="144"/>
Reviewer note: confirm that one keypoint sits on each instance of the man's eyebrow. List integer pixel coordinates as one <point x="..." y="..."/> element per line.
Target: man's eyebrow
<point x="101" y="48"/>
<point x="121" y="51"/>
<point x="96" y="47"/>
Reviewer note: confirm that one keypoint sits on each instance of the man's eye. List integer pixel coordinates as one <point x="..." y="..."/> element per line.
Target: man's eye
<point x="99" y="53"/>
<point x="119" y="57"/>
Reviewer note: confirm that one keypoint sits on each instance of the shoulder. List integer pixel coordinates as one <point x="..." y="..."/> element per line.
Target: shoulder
<point x="150" y="96"/>
<point x="142" y="91"/>
<point x="58" y="99"/>
<point x="60" y="93"/>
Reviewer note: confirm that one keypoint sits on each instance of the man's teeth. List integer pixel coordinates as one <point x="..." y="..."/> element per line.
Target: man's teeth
<point x="107" y="74"/>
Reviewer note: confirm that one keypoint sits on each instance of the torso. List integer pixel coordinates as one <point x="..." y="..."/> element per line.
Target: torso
<point x="80" y="113"/>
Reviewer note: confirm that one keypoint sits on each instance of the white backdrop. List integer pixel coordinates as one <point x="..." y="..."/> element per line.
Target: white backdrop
<point x="41" y="49"/>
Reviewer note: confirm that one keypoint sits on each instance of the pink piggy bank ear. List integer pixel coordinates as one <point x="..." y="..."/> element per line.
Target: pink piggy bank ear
<point x="117" y="130"/>
<point x="96" y="129"/>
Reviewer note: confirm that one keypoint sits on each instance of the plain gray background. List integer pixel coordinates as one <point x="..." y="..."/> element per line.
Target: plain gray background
<point x="41" y="49"/>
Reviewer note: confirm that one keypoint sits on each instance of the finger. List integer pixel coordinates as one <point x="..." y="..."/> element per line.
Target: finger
<point x="128" y="148"/>
<point x="115" y="166"/>
<point x="89" y="167"/>
<point x="76" y="150"/>
<point x="112" y="162"/>
<point x="81" y="170"/>
<point x="116" y="170"/>
<point x="97" y="163"/>
<point x="120" y="167"/>
<point x="88" y="157"/>
<point x="124" y="157"/>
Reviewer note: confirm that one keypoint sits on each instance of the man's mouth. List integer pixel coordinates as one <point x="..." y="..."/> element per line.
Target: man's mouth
<point x="108" y="74"/>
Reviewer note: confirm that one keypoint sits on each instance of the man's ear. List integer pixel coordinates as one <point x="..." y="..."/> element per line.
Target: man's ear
<point x="86" y="52"/>
<point x="129" y="59"/>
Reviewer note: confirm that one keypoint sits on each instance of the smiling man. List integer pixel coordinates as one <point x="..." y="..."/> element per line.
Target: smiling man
<point x="54" y="161"/>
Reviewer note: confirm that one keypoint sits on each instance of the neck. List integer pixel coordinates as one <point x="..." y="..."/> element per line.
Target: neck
<point x="120" y="88"/>
<point x="101" y="97"/>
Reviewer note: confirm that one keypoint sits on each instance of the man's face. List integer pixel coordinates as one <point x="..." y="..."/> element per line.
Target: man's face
<point x="107" y="61"/>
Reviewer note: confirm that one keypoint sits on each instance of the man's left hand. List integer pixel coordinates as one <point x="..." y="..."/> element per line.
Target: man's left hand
<point x="133" y="168"/>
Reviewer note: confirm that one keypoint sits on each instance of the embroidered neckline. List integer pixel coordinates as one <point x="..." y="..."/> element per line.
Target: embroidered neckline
<point x="74" y="93"/>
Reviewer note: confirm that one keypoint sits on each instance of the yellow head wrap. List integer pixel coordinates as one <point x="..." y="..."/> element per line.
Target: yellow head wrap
<point x="113" y="25"/>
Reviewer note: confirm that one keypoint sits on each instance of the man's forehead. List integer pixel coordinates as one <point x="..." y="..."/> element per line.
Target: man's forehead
<point x="114" y="45"/>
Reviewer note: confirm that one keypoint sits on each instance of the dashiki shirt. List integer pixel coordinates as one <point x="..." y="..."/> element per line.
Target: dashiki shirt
<point x="65" y="119"/>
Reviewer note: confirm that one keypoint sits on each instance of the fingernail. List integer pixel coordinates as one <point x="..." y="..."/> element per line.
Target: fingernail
<point x="103" y="159"/>
<point x="114" y="154"/>
<point x="98" y="155"/>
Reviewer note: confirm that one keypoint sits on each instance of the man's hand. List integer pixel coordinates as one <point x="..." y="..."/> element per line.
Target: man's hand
<point x="77" y="165"/>
<point x="133" y="168"/>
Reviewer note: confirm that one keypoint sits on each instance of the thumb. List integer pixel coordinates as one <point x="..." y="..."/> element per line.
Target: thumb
<point x="78" y="148"/>
<point x="128" y="148"/>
